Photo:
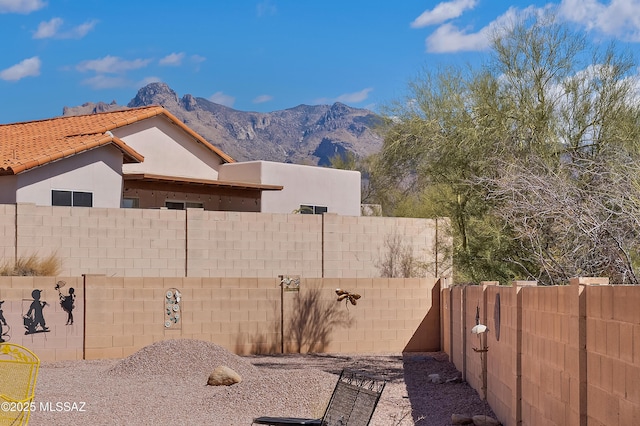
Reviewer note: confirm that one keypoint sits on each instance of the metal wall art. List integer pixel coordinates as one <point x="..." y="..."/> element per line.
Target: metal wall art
<point x="347" y="297"/>
<point x="34" y="318"/>
<point x="290" y="282"/>
<point x="172" y="308"/>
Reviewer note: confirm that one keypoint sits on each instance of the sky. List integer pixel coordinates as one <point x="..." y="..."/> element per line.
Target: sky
<point x="256" y="55"/>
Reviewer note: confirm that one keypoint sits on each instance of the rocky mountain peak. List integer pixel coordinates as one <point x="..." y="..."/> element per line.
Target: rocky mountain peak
<point x="154" y="94"/>
<point x="305" y="134"/>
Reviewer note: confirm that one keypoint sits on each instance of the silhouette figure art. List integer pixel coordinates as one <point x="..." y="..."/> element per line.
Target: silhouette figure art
<point x="67" y="301"/>
<point x="3" y="321"/>
<point x="34" y="317"/>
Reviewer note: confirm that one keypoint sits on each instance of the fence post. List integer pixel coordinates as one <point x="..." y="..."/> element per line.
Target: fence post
<point x="581" y="283"/>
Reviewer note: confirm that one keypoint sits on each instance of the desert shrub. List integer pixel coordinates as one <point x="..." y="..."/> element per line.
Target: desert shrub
<point x="32" y="265"/>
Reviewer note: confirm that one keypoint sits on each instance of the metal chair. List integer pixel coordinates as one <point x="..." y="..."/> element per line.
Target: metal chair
<point x="18" y="372"/>
<point x="352" y="403"/>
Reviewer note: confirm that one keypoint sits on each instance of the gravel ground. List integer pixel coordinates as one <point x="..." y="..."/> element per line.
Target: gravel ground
<point x="165" y="383"/>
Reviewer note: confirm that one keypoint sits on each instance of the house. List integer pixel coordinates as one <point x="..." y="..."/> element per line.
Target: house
<point x="147" y="158"/>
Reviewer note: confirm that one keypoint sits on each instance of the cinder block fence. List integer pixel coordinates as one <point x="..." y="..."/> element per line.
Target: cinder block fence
<point x="561" y="355"/>
<point x="116" y="316"/>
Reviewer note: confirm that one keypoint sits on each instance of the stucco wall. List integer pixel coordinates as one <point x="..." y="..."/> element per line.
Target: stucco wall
<point x="168" y="150"/>
<point x="96" y="171"/>
<point x="338" y="190"/>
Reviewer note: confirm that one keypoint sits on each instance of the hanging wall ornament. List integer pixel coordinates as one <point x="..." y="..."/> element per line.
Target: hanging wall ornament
<point x="172" y="308"/>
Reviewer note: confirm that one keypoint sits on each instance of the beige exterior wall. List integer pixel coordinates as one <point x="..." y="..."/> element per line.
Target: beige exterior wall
<point x="61" y="341"/>
<point x="8" y="232"/>
<point x="198" y="243"/>
<point x="168" y="150"/>
<point x="105" y="241"/>
<point x="97" y="171"/>
<point x="227" y="244"/>
<point x="338" y="190"/>
<point x="123" y="315"/>
<point x="243" y="315"/>
<point x="566" y="355"/>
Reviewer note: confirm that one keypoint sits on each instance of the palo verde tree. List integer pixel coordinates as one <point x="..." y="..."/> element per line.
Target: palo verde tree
<point x="545" y="106"/>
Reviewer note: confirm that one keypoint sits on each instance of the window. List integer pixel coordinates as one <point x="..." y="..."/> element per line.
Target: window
<point x="181" y="205"/>
<point x="71" y="198"/>
<point x="130" y="203"/>
<point x="306" y="209"/>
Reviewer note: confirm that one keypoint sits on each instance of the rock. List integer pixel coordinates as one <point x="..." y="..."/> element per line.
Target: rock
<point x="461" y="419"/>
<point x="457" y="379"/>
<point x="223" y="376"/>
<point x="435" y="378"/>
<point x="483" y="420"/>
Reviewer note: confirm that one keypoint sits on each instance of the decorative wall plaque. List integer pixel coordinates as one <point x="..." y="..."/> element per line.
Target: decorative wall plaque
<point x="172" y="308"/>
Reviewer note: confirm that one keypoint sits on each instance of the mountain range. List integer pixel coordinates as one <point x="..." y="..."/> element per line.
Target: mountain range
<point x="305" y="134"/>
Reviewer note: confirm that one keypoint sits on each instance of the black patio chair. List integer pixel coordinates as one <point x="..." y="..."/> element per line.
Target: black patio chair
<point x="352" y="403"/>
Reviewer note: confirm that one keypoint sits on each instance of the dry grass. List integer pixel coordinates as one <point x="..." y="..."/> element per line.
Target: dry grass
<point x="32" y="265"/>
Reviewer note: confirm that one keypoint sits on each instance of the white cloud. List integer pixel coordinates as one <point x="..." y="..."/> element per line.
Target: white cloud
<point x="148" y="80"/>
<point x="172" y="60"/>
<point x="262" y="99"/>
<point x="197" y="59"/>
<point x="21" y="6"/>
<point x="48" y="29"/>
<point x="112" y="64"/>
<point x="83" y="29"/>
<point x="355" y="97"/>
<point x="352" y="98"/>
<point x="102" y="81"/>
<point x="27" y="68"/>
<point x="618" y="18"/>
<point x="51" y="29"/>
<point x="222" y="99"/>
<point x="443" y="12"/>
<point x="448" y="38"/>
<point x="266" y="8"/>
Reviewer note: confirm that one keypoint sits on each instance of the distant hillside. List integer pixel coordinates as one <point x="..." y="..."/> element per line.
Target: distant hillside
<point x="304" y="134"/>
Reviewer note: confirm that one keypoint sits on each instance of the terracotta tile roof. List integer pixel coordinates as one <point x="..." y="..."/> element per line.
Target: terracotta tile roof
<point x="34" y="143"/>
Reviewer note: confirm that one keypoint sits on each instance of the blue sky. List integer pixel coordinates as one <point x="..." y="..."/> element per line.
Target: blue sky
<point x="255" y="55"/>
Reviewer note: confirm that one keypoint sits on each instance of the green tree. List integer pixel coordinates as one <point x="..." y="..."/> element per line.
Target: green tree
<point x="544" y="104"/>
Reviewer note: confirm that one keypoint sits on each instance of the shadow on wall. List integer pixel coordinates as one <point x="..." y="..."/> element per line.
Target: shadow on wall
<point x="426" y="338"/>
<point x="308" y="328"/>
<point x="313" y="319"/>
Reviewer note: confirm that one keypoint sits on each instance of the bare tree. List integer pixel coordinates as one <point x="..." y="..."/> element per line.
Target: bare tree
<point x="580" y="219"/>
<point x="398" y="260"/>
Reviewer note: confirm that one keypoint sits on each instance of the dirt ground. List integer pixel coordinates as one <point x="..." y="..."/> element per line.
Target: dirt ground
<point x="164" y="383"/>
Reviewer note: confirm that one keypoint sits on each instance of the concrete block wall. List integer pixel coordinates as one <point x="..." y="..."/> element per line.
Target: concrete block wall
<point x="566" y="355"/>
<point x="124" y="314"/>
<point x="550" y="367"/>
<point x="502" y="341"/>
<point x="613" y="355"/>
<point x="457" y="333"/>
<point x="198" y="243"/>
<point x="8" y="232"/>
<point x="355" y="245"/>
<point x="62" y="341"/>
<point x="232" y="244"/>
<point x="474" y="296"/>
<point x="121" y="242"/>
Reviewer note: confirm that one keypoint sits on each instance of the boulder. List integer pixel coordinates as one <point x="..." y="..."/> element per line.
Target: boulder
<point x="435" y="378"/>
<point x="483" y="420"/>
<point x="461" y="419"/>
<point x="223" y="376"/>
